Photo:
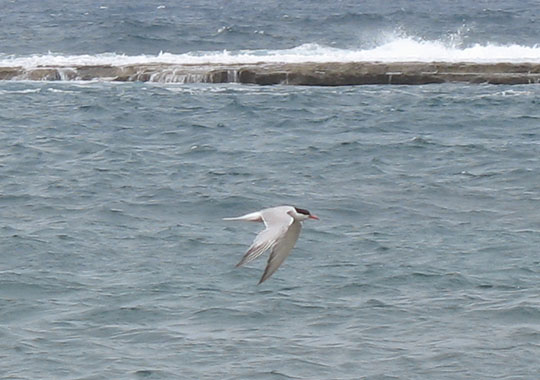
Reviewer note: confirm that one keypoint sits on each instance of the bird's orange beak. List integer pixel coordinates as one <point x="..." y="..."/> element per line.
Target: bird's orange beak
<point x="313" y="217"/>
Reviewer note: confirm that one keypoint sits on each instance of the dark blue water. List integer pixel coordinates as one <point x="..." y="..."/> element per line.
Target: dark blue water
<point x="114" y="260"/>
<point x="136" y="27"/>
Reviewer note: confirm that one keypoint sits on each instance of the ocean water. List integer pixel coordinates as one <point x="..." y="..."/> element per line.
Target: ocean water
<point x="114" y="259"/>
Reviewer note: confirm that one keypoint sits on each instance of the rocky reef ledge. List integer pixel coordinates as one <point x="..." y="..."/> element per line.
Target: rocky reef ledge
<point x="308" y="74"/>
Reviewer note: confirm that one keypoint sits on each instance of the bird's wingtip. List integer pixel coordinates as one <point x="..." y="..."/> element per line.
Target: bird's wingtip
<point x="263" y="278"/>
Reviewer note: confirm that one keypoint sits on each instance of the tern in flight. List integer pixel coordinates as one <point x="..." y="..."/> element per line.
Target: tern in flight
<point x="283" y="225"/>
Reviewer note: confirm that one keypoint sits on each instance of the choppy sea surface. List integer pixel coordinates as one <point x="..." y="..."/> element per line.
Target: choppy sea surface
<point x="114" y="259"/>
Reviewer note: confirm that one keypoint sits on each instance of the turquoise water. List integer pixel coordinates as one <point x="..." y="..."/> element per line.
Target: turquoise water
<point x="116" y="263"/>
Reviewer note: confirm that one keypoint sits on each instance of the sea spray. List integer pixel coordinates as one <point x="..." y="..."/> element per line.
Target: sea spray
<point x="399" y="49"/>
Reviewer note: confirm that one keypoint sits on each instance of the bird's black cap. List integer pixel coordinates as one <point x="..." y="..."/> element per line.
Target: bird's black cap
<point x="302" y="211"/>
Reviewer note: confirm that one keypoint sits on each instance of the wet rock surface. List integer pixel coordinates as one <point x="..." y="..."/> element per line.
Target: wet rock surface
<point x="309" y="74"/>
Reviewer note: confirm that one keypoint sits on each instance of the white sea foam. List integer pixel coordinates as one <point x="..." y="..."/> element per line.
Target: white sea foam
<point x="400" y="49"/>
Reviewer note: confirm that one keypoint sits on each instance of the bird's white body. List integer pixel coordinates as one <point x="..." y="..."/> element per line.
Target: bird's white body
<point x="283" y="226"/>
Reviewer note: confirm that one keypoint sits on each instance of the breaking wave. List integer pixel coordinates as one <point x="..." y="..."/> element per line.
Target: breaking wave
<point x="401" y="49"/>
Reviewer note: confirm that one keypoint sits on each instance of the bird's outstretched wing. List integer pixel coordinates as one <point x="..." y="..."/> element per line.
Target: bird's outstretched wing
<point x="277" y="224"/>
<point x="281" y="249"/>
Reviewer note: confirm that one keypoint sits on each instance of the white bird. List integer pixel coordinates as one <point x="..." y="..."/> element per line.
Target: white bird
<point x="283" y="225"/>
